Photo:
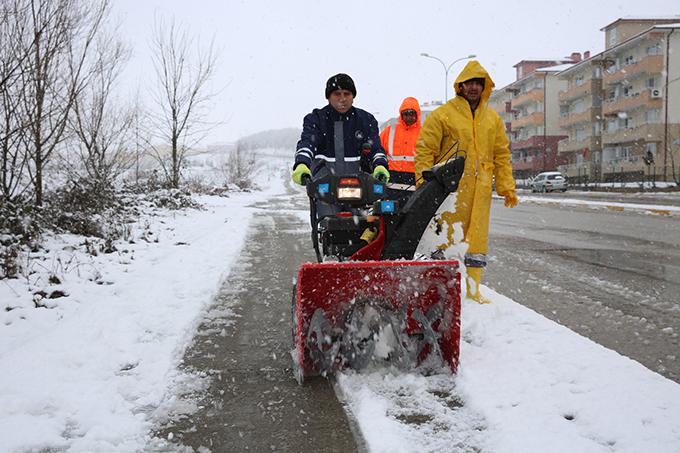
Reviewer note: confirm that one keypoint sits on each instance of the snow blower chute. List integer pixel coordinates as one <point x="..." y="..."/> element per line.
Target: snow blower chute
<point x="367" y="300"/>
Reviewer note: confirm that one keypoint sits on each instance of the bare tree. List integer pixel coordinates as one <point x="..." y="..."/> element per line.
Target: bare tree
<point x="57" y="70"/>
<point x="15" y="49"/>
<point x="182" y="95"/>
<point x="13" y="28"/>
<point x="238" y="169"/>
<point x="103" y="129"/>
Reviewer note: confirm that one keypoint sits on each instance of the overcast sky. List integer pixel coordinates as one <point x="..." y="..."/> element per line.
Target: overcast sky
<point x="275" y="56"/>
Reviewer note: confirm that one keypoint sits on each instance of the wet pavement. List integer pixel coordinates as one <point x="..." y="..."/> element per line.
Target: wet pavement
<point x="253" y="402"/>
<point x="613" y="277"/>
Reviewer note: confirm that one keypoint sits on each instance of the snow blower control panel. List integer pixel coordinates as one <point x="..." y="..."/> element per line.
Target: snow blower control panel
<point x="353" y="190"/>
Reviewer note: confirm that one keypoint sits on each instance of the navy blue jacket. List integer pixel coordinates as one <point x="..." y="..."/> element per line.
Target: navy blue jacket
<point x="316" y="147"/>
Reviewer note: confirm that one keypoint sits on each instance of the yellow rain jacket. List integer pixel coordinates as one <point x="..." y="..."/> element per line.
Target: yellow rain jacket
<point x="482" y="140"/>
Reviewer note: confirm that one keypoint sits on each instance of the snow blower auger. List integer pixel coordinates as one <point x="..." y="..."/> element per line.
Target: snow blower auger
<point x="367" y="300"/>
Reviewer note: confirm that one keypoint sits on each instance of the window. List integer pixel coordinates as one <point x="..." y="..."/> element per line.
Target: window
<point x="654" y="49"/>
<point x="579" y="106"/>
<point x="628" y="91"/>
<point x="615" y="154"/>
<point x="579" y="81"/>
<point x="609" y="154"/>
<point x="612" y="125"/>
<point x="613" y="93"/>
<point x="564" y="110"/>
<point x="629" y="60"/>
<point x="651" y="82"/>
<point x="597" y="72"/>
<point x="626" y="153"/>
<point x="612" y="37"/>
<point x="579" y="134"/>
<point x="597" y="128"/>
<point x="627" y="123"/>
<point x="650" y="148"/>
<point x="652" y="116"/>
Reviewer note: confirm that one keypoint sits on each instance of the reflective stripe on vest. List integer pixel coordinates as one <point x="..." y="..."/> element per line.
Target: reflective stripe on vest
<point x="398" y="163"/>
<point x="390" y="142"/>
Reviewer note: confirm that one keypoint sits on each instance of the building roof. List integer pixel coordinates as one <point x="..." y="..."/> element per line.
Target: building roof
<point x="541" y="60"/>
<point x="558" y="68"/>
<point x="600" y="55"/>
<point x="641" y="19"/>
<point x="673" y="25"/>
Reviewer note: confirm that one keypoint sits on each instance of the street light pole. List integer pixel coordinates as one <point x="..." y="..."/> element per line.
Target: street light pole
<point x="446" y="70"/>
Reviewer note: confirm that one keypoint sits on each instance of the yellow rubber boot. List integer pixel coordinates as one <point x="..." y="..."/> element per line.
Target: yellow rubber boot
<point x="474" y="277"/>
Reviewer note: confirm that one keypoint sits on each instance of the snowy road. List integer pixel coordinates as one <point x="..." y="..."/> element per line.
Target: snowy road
<point x="612" y="276"/>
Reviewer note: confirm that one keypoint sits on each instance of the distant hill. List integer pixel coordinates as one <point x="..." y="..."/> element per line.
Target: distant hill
<point x="275" y="138"/>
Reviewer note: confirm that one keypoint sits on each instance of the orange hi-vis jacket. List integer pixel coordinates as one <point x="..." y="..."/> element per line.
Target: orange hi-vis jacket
<point x="399" y="140"/>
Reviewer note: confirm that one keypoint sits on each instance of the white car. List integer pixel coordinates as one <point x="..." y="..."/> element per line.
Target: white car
<point x="549" y="181"/>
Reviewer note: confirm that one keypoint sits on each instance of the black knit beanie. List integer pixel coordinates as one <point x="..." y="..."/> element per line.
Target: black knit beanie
<point x="340" y="82"/>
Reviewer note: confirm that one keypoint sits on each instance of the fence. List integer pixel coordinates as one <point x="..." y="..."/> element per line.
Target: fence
<point x="625" y="179"/>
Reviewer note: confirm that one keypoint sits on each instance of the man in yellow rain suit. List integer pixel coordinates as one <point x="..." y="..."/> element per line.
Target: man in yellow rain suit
<point x="468" y="126"/>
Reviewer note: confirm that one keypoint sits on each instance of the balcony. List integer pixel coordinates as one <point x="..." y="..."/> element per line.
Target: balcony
<point x="576" y="170"/>
<point x="569" y="146"/>
<point x="587" y="89"/>
<point x="651" y="64"/>
<point x="626" y="103"/>
<point x="535" y="141"/>
<point x="533" y="119"/>
<point x="624" y="165"/>
<point x="533" y="95"/>
<point x="576" y="118"/>
<point x="523" y="164"/>
<point x="644" y="133"/>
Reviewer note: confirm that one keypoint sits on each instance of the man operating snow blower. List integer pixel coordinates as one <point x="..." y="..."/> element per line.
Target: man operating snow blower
<point x="367" y="299"/>
<point x="333" y="138"/>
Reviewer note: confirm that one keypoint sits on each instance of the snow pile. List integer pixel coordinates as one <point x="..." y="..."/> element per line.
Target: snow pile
<point x="525" y="384"/>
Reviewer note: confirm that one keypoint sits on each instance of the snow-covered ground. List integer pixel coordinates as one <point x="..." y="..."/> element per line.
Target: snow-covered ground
<point x="90" y="372"/>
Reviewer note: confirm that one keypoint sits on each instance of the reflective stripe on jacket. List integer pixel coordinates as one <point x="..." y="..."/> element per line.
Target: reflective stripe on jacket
<point x="317" y="145"/>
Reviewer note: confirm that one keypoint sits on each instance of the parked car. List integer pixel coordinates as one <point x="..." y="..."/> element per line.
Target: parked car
<point x="549" y="181"/>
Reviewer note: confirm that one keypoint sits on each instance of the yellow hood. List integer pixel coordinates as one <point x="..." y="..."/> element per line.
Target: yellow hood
<point x="474" y="70"/>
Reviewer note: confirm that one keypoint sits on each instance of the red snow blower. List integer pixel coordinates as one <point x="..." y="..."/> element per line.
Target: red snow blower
<point x="367" y="300"/>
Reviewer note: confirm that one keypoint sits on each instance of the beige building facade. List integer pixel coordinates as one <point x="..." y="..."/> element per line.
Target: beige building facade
<point x="620" y="110"/>
<point x="530" y="111"/>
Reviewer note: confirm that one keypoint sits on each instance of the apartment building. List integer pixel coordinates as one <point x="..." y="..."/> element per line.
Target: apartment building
<point x="621" y="107"/>
<point x="581" y="120"/>
<point x="530" y="109"/>
<point x="501" y="102"/>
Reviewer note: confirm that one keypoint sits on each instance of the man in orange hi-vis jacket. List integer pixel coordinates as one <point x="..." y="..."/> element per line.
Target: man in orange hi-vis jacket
<point x="399" y="142"/>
